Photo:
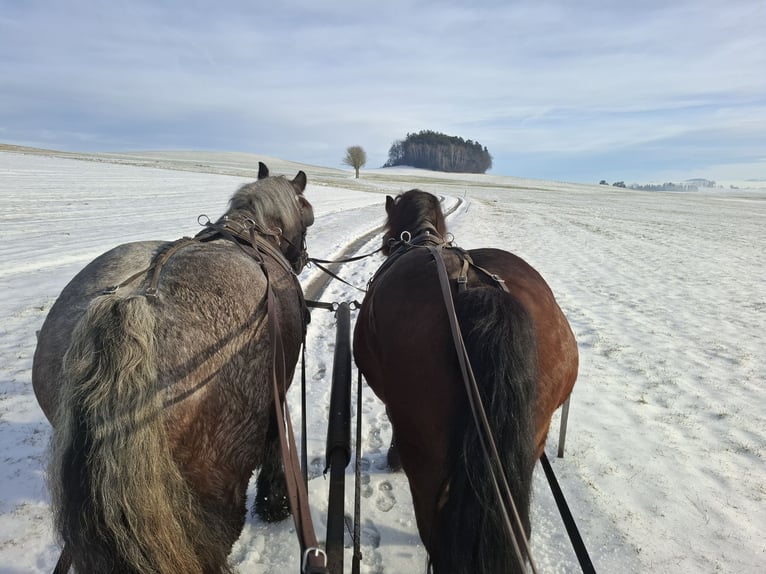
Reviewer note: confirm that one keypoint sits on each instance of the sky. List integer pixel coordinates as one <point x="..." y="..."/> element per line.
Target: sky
<point x="646" y="91"/>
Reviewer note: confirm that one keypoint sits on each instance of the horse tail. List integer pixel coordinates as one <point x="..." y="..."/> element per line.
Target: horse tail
<point x="119" y="500"/>
<point x="499" y="337"/>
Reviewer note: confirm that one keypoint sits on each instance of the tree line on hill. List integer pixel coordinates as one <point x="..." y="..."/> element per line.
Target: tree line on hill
<point x="691" y="185"/>
<point x="439" y="152"/>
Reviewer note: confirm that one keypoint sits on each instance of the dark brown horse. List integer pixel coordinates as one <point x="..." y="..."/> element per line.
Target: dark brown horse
<point x="155" y="368"/>
<point x="524" y="358"/>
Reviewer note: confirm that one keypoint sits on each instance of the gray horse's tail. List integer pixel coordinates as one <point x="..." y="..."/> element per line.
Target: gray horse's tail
<point x="120" y="501"/>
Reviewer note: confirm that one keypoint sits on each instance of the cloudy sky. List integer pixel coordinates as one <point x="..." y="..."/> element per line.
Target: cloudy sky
<point x="638" y="91"/>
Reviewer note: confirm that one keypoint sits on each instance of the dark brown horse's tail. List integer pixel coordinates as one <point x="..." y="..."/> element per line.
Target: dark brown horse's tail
<point x="120" y="502"/>
<point x="500" y="340"/>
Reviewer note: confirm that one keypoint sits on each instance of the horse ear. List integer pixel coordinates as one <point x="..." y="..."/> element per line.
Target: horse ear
<point x="299" y="182"/>
<point x="263" y="171"/>
<point x="389" y="203"/>
<point x="307" y="212"/>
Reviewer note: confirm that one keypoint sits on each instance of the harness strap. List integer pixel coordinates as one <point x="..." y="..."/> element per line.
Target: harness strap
<point x="347" y="259"/>
<point x="157" y="263"/>
<point x="486" y="438"/>
<point x="334" y="275"/>
<point x="151" y="291"/>
<point x="462" y="278"/>
<point x="574" y="534"/>
<point x="304" y="415"/>
<point x="253" y="239"/>
<point x="321" y="305"/>
<point x="314" y="560"/>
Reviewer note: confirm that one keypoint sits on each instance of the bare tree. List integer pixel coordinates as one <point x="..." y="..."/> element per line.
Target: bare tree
<point x="356" y="157"/>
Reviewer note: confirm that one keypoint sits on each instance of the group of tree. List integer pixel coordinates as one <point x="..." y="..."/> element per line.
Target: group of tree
<point x="690" y="185"/>
<point x="439" y="152"/>
<point x="429" y="150"/>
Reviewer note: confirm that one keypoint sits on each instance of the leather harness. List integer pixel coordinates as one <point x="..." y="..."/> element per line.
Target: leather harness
<point x="430" y="238"/>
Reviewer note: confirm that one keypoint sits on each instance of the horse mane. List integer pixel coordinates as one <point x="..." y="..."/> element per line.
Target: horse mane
<point x="413" y="211"/>
<point x="269" y="202"/>
<point x="275" y="204"/>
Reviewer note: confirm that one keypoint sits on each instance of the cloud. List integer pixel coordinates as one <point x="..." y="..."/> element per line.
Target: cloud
<point x="559" y="83"/>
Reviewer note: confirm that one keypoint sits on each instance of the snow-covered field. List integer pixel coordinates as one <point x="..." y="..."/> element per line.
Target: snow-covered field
<point x="666" y="293"/>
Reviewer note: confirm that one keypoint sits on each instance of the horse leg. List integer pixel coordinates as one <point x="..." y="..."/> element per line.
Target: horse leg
<point x="394" y="460"/>
<point x="271" y="501"/>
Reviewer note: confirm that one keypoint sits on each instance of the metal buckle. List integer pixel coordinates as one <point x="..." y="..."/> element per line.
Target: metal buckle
<point x="317" y="552"/>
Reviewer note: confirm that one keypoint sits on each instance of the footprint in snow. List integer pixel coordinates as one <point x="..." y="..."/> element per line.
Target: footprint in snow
<point x="386" y="499"/>
<point x="374" y="442"/>
<point x="321" y="372"/>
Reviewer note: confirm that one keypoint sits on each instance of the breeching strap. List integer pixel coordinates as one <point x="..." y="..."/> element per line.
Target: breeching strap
<point x="489" y="448"/>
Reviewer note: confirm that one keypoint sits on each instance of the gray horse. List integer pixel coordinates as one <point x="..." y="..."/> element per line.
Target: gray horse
<point x="155" y="367"/>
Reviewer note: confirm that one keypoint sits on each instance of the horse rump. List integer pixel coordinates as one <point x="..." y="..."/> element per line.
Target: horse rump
<point x="119" y="500"/>
<point x="499" y="337"/>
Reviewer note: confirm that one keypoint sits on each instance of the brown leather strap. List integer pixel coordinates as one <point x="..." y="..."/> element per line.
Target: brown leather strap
<point x="486" y="438"/>
<point x="462" y="278"/>
<point x="314" y="559"/>
<point x="157" y="263"/>
<point x="161" y="259"/>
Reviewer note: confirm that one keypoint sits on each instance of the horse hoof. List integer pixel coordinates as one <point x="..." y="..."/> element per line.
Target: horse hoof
<point x="272" y="508"/>
<point x="394" y="462"/>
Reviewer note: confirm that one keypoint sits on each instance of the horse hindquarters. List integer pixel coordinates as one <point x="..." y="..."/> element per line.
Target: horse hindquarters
<point x="500" y="340"/>
<point x="120" y="502"/>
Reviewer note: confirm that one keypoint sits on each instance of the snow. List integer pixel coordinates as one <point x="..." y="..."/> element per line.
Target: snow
<point x="664" y="465"/>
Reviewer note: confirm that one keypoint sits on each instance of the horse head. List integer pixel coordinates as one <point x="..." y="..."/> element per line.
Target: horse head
<point x="414" y="212"/>
<point x="278" y="206"/>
